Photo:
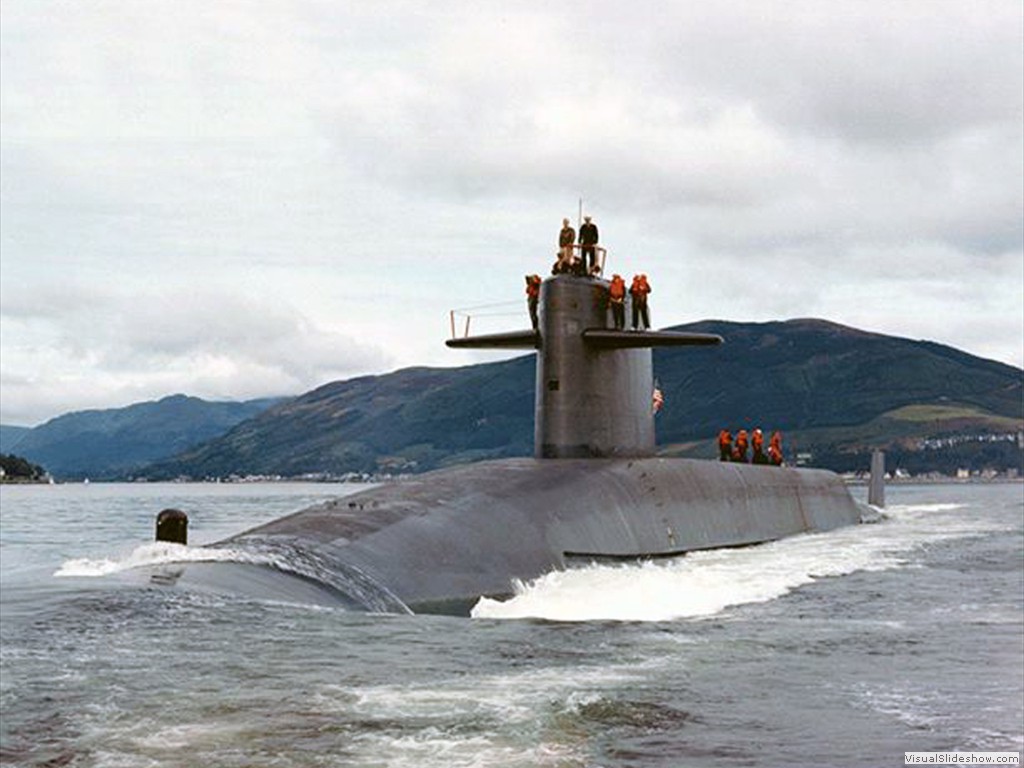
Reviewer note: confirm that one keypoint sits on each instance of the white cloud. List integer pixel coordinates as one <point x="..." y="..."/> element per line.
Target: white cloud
<point x="231" y="200"/>
<point x="96" y="347"/>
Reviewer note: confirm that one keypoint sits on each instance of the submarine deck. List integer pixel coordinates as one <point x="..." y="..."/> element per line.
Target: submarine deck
<point x="452" y="535"/>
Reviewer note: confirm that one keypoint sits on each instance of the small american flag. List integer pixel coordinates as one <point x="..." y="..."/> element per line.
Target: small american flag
<point x="657" y="400"/>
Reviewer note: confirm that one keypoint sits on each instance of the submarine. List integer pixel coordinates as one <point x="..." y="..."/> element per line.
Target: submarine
<point x="593" y="491"/>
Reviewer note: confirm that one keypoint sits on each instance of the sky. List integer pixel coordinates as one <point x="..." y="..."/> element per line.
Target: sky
<point x="241" y="199"/>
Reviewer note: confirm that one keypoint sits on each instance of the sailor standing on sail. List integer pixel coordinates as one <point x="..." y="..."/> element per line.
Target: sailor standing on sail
<point x="532" y="297"/>
<point x="639" y="290"/>
<point x="588" y="241"/>
<point x="617" y="298"/>
<point x="566" y="239"/>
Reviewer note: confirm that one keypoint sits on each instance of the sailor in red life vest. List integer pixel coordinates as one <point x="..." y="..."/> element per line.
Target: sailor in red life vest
<point x="617" y="298"/>
<point x="739" y="451"/>
<point x="532" y="297"/>
<point x="724" y="445"/>
<point x="775" y="449"/>
<point x="639" y="290"/>
<point x="757" y="445"/>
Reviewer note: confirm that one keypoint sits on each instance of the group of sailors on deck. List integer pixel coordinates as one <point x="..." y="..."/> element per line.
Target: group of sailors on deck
<point x="736" y="450"/>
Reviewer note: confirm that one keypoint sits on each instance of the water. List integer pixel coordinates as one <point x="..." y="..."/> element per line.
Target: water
<point x="842" y="649"/>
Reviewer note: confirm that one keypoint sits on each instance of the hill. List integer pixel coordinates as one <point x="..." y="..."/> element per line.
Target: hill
<point x="830" y="388"/>
<point x="833" y="389"/>
<point x="16" y="469"/>
<point x="113" y="443"/>
<point x="10" y="436"/>
<point x="410" y="420"/>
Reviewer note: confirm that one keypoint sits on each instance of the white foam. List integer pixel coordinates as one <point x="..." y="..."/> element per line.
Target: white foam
<point x="154" y="553"/>
<point x="916" y="709"/>
<point x="511" y="699"/>
<point x="706" y="583"/>
<point x="434" y="746"/>
<point x="186" y="735"/>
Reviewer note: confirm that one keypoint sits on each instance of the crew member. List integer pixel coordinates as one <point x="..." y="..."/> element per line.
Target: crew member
<point x="532" y="297"/>
<point x="566" y="238"/>
<point x="775" y="449"/>
<point x="639" y="290"/>
<point x="739" y="450"/>
<point x="588" y="239"/>
<point x="724" y="445"/>
<point x="617" y="298"/>
<point x="757" y="447"/>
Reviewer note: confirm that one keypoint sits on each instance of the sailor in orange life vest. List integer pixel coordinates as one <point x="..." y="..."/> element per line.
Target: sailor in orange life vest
<point x="775" y="449"/>
<point x="724" y="445"/>
<point x="639" y="290"/>
<point x="757" y="446"/>
<point x="617" y="298"/>
<point x="739" y="450"/>
<point x="532" y="297"/>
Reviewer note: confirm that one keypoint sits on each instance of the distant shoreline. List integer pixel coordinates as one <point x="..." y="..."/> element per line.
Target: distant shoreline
<point x="851" y="481"/>
<point x="940" y="480"/>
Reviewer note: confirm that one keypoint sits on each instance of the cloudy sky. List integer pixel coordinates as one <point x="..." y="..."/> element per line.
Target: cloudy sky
<point x="238" y="199"/>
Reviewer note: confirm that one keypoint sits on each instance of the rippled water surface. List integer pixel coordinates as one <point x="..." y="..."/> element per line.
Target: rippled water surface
<point x="845" y="648"/>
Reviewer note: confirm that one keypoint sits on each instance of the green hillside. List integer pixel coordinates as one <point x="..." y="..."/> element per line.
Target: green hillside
<point x="410" y="420"/>
<point x="10" y="436"/>
<point x="113" y="443"/>
<point x="832" y="390"/>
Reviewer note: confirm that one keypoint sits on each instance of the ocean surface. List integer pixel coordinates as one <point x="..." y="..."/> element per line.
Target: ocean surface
<point x="839" y="649"/>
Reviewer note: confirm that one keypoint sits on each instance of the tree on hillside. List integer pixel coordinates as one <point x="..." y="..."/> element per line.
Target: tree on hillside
<point x="17" y="468"/>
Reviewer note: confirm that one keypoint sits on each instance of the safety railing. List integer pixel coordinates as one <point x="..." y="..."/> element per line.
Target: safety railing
<point x="569" y="257"/>
<point x="461" y="319"/>
<point x="567" y="261"/>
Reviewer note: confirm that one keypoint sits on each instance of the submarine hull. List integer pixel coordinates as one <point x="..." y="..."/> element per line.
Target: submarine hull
<point x="438" y="542"/>
<point x="594" y="491"/>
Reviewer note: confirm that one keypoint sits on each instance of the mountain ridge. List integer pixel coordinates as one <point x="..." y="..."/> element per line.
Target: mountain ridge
<point x="112" y="443"/>
<point x="806" y="377"/>
<point x="834" y="390"/>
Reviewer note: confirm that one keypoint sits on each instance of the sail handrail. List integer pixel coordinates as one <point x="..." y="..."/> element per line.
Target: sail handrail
<point x="577" y="254"/>
<point x="467" y="314"/>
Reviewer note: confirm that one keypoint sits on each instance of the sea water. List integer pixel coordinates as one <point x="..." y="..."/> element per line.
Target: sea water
<point x="846" y="648"/>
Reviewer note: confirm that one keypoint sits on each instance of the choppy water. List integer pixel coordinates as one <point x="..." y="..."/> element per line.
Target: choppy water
<point x="844" y="649"/>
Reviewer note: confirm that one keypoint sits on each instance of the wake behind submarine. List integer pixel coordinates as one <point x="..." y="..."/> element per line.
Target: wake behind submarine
<point x="593" y="491"/>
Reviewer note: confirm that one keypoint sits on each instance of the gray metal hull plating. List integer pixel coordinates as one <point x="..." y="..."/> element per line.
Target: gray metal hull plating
<point x="440" y="541"/>
<point x="589" y="401"/>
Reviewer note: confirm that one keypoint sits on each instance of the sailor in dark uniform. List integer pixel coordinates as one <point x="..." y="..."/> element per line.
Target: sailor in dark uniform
<point x="588" y="239"/>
